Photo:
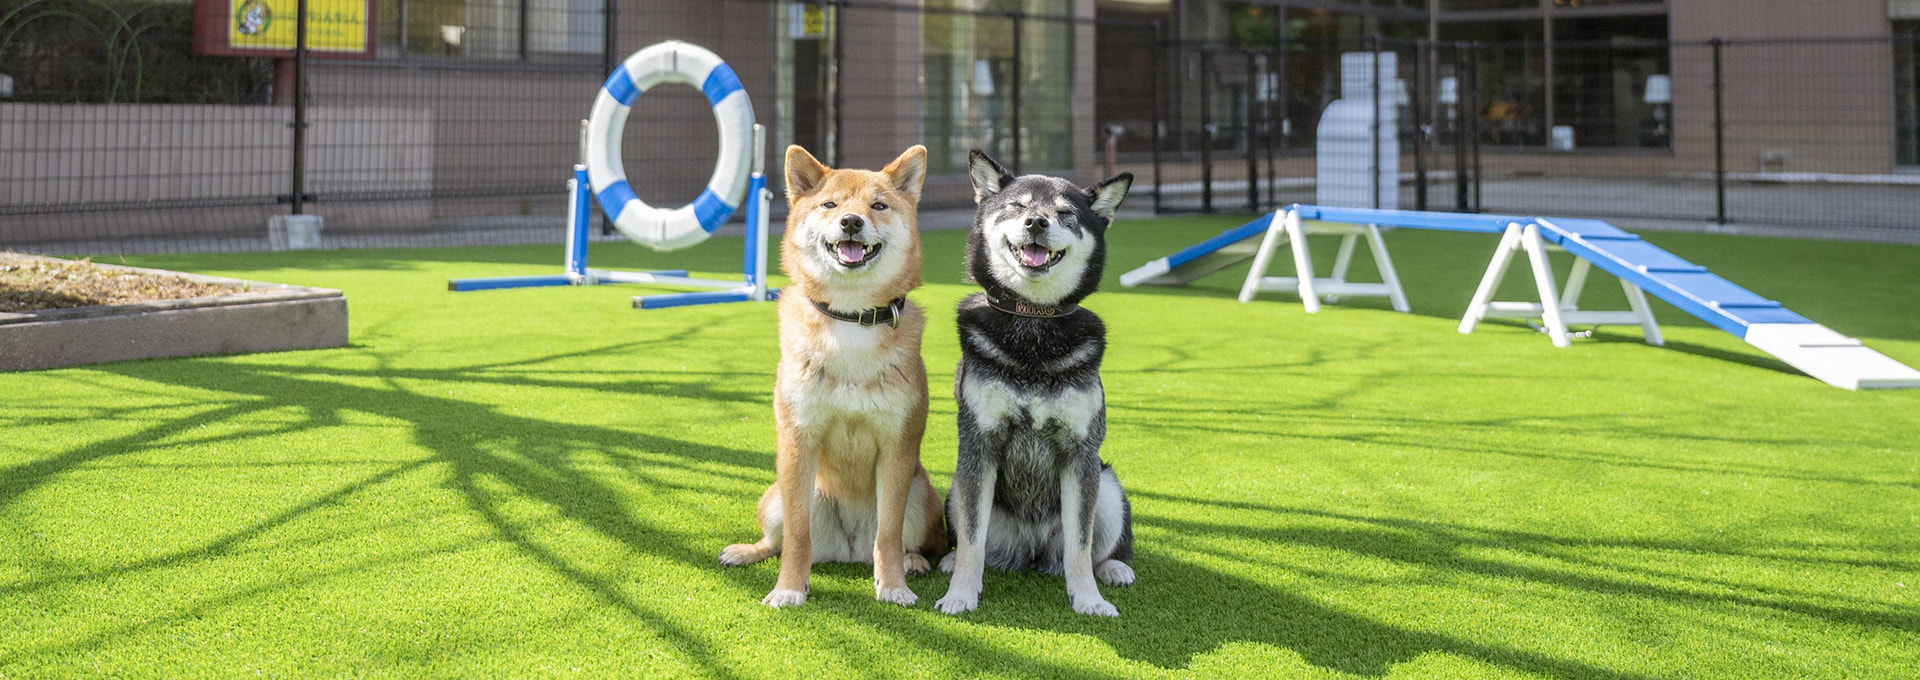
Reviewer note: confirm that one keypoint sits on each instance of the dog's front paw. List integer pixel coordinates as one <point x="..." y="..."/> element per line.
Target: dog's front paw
<point x="955" y="603"/>
<point x="1094" y="606"/>
<point x="781" y="597"/>
<point x="1114" y="573"/>
<point x="917" y="565"/>
<point x="742" y="554"/>
<point x="902" y="595"/>
<point x="946" y="563"/>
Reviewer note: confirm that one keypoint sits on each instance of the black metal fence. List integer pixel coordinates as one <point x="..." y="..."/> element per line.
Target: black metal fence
<point x="463" y="127"/>
<point x="1812" y="136"/>
<point x="114" y="137"/>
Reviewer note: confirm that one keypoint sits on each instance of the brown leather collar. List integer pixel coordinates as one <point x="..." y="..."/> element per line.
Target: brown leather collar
<point x="872" y="316"/>
<point x="1018" y="307"/>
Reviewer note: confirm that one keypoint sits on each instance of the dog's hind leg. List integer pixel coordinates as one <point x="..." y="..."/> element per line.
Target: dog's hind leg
<point x="1079" y="488"/>
<point x="925" y="528"/>
<point x="1112" y="532"/>
<point x="770" y="514"/>
<point x="970" y="505"/>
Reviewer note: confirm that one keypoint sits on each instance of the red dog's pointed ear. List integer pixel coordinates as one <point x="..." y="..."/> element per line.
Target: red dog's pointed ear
<point x="804" y="173"/>
<point x="909" y="171"/>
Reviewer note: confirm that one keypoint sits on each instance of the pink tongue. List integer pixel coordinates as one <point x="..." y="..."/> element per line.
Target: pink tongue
<point x="1034" y="255"/>
<point x="850" y="251"/>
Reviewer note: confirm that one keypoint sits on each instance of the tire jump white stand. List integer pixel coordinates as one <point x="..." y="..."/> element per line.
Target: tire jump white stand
<point x="738" y="177"/>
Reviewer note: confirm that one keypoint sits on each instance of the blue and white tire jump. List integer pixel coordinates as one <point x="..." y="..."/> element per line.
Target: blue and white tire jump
<point x="672" y="61"/>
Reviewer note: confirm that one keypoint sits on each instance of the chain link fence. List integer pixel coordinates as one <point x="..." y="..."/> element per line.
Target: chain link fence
<point x="1811" y="137"/>
<point x="461" y="127"/>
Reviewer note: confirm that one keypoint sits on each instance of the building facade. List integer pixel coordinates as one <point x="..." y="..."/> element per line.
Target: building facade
<point x="1812" y="86"/>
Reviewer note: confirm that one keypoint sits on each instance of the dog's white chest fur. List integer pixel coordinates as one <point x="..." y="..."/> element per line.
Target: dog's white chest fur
<point x="848" y="379"/>
<point x="994" y="403"/>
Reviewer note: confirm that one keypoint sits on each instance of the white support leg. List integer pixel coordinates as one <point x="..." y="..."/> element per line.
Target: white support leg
<point x="1543" y="281"/>
<point x="1490" y="282"/>
<point x="1276" y="235"/>
<point x="1576" y="283"/>
<point x="1395" y="294"/>
<point x="1344" y="258"/>
<point x="1302" y="263"/>
<point x="1637" y="301"/>
<point x="760" y="288"/>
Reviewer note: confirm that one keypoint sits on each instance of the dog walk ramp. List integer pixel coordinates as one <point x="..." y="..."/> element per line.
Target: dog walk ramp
<point x="1642" y="268"/>
<point x="1816" y="350"/>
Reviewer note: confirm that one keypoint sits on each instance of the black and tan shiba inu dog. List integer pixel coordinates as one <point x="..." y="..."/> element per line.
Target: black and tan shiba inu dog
<point x="1029" y="490"/>
<point x="850" y="399"/>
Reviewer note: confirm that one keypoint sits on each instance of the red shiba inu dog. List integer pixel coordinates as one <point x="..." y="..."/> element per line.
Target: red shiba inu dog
<point x="850" y="399"/>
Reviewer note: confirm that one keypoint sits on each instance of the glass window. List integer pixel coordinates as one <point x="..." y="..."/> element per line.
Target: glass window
<point x="1512" y="79"/>
<point x="1906" y="91"/>
<point x="1601" y="70"/>
<point x="489" y="29"/>
<point x="968" y="67"/>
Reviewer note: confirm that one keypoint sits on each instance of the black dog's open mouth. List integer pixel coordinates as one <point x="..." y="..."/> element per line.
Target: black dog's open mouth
<point x="1035" y="256"/>
<point x="851" y="253"/>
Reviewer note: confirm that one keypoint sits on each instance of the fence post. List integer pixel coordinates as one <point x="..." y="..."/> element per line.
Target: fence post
<point x="839" y="28"/>
<point x="300" y="108"/>
<point x="1206" y="130"/>
<point x="1473" y="114"/>
<point x="1253" y="159"/>
<point x="1419" y="125"/>
<point x="1719" y="139"/>
<point x="1159" y="42"/>
<point x="609" y="37"/>
<point x="1274" y="79"/>
<point x="1014" y="119"/>
<point x="1372" y="46"/>
<point x="1459" y="124"/>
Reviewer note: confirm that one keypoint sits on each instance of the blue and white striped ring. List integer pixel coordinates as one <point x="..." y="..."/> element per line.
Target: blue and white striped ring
<point x="672" y="61"/>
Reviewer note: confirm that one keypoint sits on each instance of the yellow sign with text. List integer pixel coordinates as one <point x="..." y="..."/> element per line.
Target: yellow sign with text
<point x="813" y="21"/>
<point x="332" y="25"/>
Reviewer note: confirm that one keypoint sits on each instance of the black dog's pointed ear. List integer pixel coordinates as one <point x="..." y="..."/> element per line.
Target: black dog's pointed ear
<point x="1106" y="196"/>
<point x="988" y="177"/>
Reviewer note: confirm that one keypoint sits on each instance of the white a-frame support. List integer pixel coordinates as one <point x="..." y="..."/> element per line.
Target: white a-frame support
<point x="1556" y="308"/>
<point x="1288" y="228"/>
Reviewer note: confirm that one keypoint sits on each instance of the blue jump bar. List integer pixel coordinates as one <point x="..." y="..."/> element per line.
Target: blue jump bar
<point x="498" y="282"/>
<point x="683" y="299"/>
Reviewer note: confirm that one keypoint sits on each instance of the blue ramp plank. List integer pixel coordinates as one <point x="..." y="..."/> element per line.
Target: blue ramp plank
<point x="1413" y="219"/>
<point x="1200" y="259"/>
<point x="1226" y="238"/>
<point x="1682" y="284"/>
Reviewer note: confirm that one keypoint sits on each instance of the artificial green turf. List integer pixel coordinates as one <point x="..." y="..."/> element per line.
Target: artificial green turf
<point x="537" y="483"/>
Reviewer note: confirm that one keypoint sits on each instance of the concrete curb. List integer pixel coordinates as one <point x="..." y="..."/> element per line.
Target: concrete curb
<point x="257" y="317"/>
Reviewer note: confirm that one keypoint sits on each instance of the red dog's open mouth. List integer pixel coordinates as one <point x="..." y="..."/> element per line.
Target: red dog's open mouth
<point x="851" y="253"/>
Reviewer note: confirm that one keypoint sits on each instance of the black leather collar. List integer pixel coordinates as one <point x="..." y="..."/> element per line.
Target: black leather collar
<point x="872" y="316"/>
<point x="1019" y="307"/>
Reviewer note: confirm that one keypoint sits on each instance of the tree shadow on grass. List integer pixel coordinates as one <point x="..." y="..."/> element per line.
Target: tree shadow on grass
<point x="515" y="459"/>
<point x="1457" y="549"/>
<point x="534" y="459"/>
<point x="1216" y="608"/>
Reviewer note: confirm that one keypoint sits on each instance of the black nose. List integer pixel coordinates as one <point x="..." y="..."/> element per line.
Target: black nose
<point x="851" y="223"/>
<point x="1036" y="224"/>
